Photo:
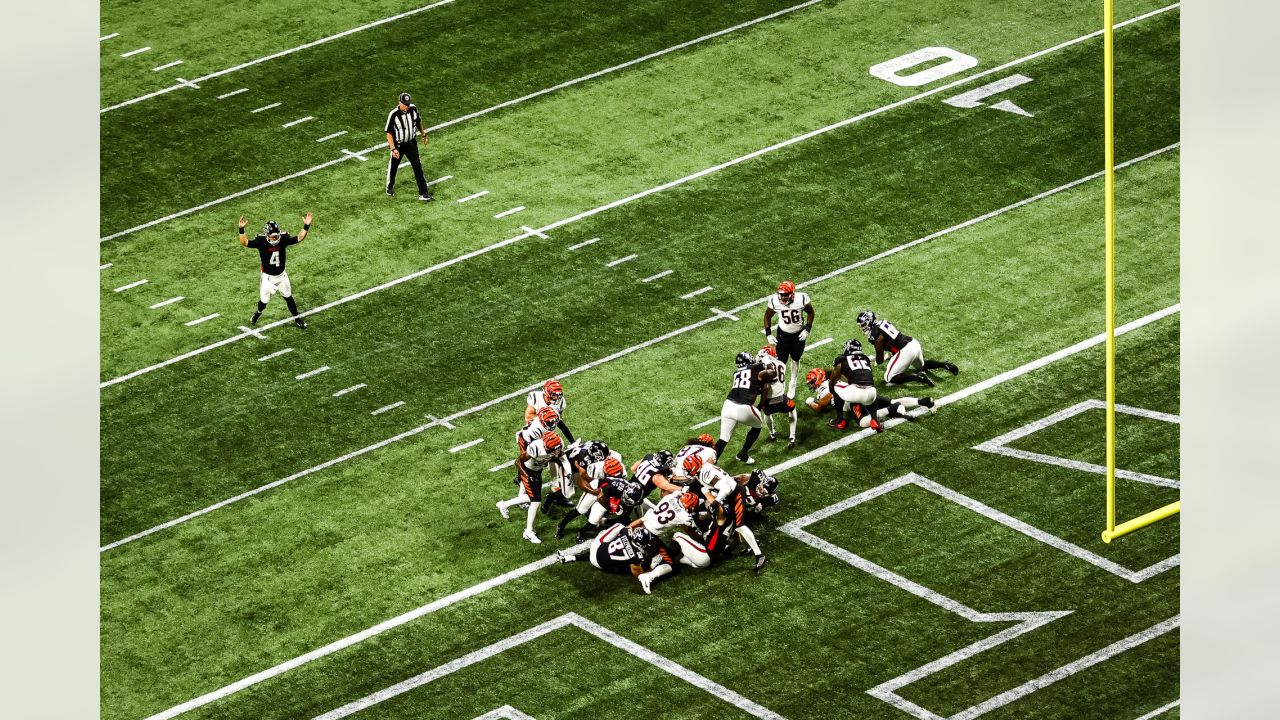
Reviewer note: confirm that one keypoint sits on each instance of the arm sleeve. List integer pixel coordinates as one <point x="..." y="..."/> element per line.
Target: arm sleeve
<point x="567" y="435"/>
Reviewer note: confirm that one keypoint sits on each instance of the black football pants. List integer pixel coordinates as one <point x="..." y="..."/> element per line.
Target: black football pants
<point x="408" y="151"/>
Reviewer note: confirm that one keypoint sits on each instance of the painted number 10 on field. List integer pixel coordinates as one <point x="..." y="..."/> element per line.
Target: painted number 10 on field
<point x="942" y="62"/>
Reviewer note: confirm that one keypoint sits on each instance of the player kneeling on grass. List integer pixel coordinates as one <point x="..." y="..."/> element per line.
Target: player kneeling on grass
<point x="727" y="503"/>
<point x="536" y="456"/>
<point x="779" y="401"/>
<point x="621" y="550"/>
<point x="881" y="409"/>
<point x="904" y="352"/>
<point x="271" y="246"/>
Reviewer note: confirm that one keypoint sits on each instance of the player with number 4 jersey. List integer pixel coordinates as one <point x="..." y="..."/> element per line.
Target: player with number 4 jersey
<point x="272" y="246"/>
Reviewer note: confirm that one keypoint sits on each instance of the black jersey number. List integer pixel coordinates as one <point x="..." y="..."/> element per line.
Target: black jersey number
<point x="790" y="317"/>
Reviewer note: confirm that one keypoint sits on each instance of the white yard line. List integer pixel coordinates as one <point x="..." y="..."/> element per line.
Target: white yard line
<point x="357" y="155"/>
<point x="265" y="107"/>
<point x="224" y="96"/>
<point x="442" y="423"/>
<point x="473" y="196"/>
<point x="512" y="211"/>
<point x="550" y="560"/>
<point x="275" y="354"/>
<point x="567" y="620"/>
<point x="705" y="423"/>
<point x="340" y="133"/>
<point x="104" y="266"/>
<point x="1160" y="710"/>
<point x="928" y="93"/>
<point x="170" y="301"/>
<point x="439" y="180"/>
<point x="311" y="373"/>
<point x="584" y="243"/>
<point x="131" y="53"/>
<point x="131" y="285"/>
<point x="507" y="464"/>
<point x="108" y="37"/>
<point x="353" y="388"/>
<point x="385" y="408"/>
<point x="695" y="293"/>
<point x="197" y="321"/>
<point x="506" y="712"/>
<point x="465" y="445"/>
<point x="662" y="274"/>
<point x="166" y="66"/>
<point x="523" y="391"/>
<point x="470" y="116"/>
<point x="252" y="332"/>
<point x="533" y="233"/>
<point x="818" y="344"/>
<point x="726" y="314"/>
<point x="299" y="121"/>
<point x="282" y="53"/>
<point x="619" y="261"/>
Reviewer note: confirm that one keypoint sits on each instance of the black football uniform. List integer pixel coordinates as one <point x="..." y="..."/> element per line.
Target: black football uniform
<point x="644" y="474"/>
<point x="735" y="514"/>
<point x="855" y="369"/>
<point x="616" y="549"/>
<point x="747" y="384"/>
<point x="883" y="333"/>
<point x="272" y="256"/>
<point x="584" y="454"/>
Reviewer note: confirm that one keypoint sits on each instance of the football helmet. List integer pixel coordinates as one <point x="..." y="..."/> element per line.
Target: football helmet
<point x="553" y="390"/>
<point x="693" y="465"/>
<point x="852" y="345"/>
<point x="272" y="231"/>
<point x="769" y="350"/>
<point x="763" y="488"/>
<point x="553" y="443"/>
<point x="613" y="468"/>
<point x="815" y="377"/>
<point x="707" y="439"/>
<point x="663" y="460"/>
<point x="865" y="319"/>
<point x="689" y="500"/>
<point x="548" y="416"/>
<point x="786" y="291"/>
<point x="743" y="359"/>
<point x="639" y="537"/>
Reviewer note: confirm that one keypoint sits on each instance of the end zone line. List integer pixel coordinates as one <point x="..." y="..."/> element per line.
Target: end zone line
<point x="553" y="559"/>
<point x="581" y="368"/>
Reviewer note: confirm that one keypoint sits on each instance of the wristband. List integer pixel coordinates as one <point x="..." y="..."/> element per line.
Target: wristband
<point x="240" y="229"/>
<point x="306" y="226"/>
<point x="808" y="327"/>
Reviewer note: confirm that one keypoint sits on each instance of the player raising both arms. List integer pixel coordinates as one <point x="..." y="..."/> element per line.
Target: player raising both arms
<point x="905" y="353"/>
<point x="749" y="382"/>
<point x="271" y="246"/>
<point x="792" y="333"/>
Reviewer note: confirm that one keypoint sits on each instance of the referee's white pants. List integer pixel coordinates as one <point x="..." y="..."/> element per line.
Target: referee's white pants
<point x="271" y="284"/>
<point x="732" y="413"/>
<point x="911" y="356"/>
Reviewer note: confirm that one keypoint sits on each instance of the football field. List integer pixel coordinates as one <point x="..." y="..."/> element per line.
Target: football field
<point x="301" y="523"/>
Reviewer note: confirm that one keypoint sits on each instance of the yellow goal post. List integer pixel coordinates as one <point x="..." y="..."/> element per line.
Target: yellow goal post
<point x="1113" y="530"/>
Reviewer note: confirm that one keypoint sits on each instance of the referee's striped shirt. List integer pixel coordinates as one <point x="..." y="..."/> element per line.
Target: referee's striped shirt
<point x="403" y="125"/>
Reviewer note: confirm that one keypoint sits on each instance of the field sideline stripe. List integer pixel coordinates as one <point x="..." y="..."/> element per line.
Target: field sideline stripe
<point x="473" y="115"/>
<point x="273" y="56"/>
<point x="608" y="358"/>
<point x="552" y="559"/>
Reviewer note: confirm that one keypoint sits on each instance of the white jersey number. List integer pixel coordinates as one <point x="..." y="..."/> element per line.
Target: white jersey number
<point x="742" y="378"/>
<point x="275" y="259"/>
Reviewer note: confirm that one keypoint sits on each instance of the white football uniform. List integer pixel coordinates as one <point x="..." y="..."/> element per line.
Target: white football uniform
<point x="538" y="400"/>
<point x="860" y="394"/>
<point x="539" y="458"/>
<point x="790" y="315"/>
<point x="707" y="454"/>
<point x="271" y="284"/>
<point x="669" y="514"/>
<point x="777" y="389"/>
<point x="532" y="431"/>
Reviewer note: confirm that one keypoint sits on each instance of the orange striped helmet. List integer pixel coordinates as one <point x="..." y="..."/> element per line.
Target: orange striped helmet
<point x="548" y="415"/>
<point x="815" y="377"/>
<point x="553" y="390"/>
<point x="706" y="438"/>
<point x="769" y="350"/>
<point x="693" y="465"/>
<point x="787" y="290"/>
<point x="553" y="443"/>
<point x="613" y="468"/>
<point x="689" y="500"/>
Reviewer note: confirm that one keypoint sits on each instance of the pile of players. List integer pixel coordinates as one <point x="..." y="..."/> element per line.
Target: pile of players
<point x="700" y="514"/>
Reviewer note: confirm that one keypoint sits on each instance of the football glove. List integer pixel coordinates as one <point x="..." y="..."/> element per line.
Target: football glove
<point x="804" y="334"/>
<point x="772" y="340"/>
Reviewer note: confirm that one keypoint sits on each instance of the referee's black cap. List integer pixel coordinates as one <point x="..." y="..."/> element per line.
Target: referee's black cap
<point x="405" y="99"/>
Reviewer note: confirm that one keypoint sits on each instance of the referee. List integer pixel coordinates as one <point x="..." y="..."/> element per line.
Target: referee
<point x="404" y="125"/>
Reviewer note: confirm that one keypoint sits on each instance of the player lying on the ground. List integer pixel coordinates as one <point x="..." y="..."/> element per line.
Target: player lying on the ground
<point x="672" y="520"/>
<point x="904" y="352"/>
<point x="726" y="502"/>
<point x="882" y="409"/>
<point x="552" y="395"/>
<point x="789" y="305"/>
<point x="621" y="550"/>
<point x="779" y="401"/>
<point x="750" y="381"/>
<point x="703" y="445"/>
<point x="535" y="457"/>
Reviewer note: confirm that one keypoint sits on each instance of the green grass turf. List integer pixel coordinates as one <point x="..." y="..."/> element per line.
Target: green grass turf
<point x="169" y="424"/>
<point x="561" y="156"/>
<point x="403" y="525"/>
<point x="1143" y="445"/>
<point x="456" y="59"/>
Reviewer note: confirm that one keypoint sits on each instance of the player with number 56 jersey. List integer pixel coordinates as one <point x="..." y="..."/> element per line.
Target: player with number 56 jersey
<point x="795" y="322"/>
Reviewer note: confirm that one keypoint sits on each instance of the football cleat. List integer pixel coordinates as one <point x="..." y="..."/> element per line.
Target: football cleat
<point x="391" y="192"/>
<point x="745" y="459"/>
<point x="791" y="445"/>
<point x="502" y="510"/>
<point x="929" y="403"/>
<point x="742" y="360"/>
<point x="302" y="324"/>
<point x="565" y="557"/>
<point x="840" y="424"/>
<point x="531" y="537"/>
<point x="951" y="367"/>
<point x="875" y="425"/>
<point x="852" y="345"/>
<point x="773" y="435"/>
<point x="253" y="321"/>
<point x="426" y="198"/>
<point x="760" y="561"/>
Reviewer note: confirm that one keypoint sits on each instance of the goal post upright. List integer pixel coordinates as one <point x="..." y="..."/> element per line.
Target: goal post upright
<point x="1112" y="530"/>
